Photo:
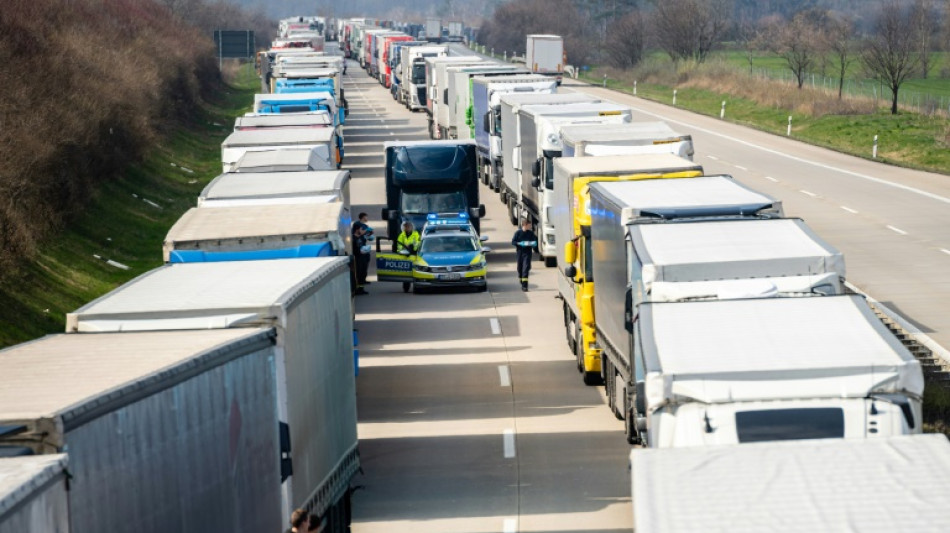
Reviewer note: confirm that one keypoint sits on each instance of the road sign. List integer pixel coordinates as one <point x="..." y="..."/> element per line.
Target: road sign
<point x="234" y="43"/>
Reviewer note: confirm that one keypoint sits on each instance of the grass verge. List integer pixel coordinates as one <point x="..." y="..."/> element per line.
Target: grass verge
<point x="125" y="222"/>
<point x="906" y="139"/>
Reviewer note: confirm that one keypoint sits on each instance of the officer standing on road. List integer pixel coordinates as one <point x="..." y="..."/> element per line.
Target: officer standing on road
<point x="361" y="253"/>
<point x="407" y="243"/>
<point x="524" y="241"/>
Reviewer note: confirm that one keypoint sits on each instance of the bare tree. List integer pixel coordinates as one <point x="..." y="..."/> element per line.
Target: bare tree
<point x="924" y="28"/>
<point x="689" y="29"/>
<point x="625" y="41"/>
<point x="749" y="38"/>
<point x="891" y="52"/>
<point x="798" y="42"/>
<point x="839" y="41"/>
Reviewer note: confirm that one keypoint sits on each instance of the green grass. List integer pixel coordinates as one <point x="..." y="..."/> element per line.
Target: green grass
<point x="906" y="139"/>
<point x="119" y="224"/>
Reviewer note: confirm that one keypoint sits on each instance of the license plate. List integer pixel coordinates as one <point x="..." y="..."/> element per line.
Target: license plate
<point x="450" y="277"/>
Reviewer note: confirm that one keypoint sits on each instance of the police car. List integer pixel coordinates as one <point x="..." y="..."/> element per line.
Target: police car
<point x="450" y="258"/>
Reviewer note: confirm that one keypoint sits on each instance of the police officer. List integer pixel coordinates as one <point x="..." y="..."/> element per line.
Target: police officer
<point x="407" y="243"/>
<point x="524" y="241"/>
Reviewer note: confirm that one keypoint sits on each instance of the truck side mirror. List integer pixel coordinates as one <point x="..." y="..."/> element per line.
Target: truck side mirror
<point x="570" y="271"/>
<point x="536" y="182"/>
<point x="628" y="311"/>
<point x="486" y="122"/>
<point x="536" y="170"/>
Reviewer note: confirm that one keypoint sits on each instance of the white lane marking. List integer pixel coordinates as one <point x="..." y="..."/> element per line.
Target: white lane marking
<point x="848" y="209"/>
<point x="808" y="193"/>
<point x="510" y="525"/>
<point x="714" y="158"/>
<point x="504" y="375"/>
<point x="740" y="167"/>
<point x="944" y="250"/>
<point x="897" y="230"/>
<point x="495" y="326"/>
<point x="881" y="181"/>
<point x="770" y="178"/>
<point x="508" y="438"/>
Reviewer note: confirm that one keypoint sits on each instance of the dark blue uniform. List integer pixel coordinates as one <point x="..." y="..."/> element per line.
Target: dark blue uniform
<point x="524" y="241"/>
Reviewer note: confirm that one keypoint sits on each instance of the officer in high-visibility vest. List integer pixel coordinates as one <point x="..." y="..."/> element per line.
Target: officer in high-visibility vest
<point x="407" y="243"/>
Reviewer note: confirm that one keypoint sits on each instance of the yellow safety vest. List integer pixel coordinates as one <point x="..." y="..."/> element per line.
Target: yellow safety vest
<point x="409" y="242"/>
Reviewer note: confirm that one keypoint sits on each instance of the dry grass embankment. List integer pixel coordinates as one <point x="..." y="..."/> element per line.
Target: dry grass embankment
<point x="88" y="87"/>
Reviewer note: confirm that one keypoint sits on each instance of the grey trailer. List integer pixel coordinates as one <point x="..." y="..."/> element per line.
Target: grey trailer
<point x="273" y="187"/>
<point x="161" y="428"/>
<point x="309" y="303"/>
<point x="33" y="494"/>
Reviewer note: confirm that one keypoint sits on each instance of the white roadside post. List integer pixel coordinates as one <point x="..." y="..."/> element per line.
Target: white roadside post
<point x="634" y="87"/>
<point x="674" y="96"/>
<point x="874" y="149"/>
<point x="789" y="132"/>
<point x="722" y="112"/>
<point x="605" y="81"/>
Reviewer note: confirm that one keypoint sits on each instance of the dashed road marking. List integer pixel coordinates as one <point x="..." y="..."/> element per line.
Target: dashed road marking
<point x="508" y="439"/>
<point x="808" y="193"/>
<point x="504" y="375"/>
<point x="495" y="326"/>
<point x="770" y="178"/>
<point x="848" y="209"/>
<point x="897" y="230"/>
<point x="740" y="167"/>
<point x="714" y="158"/>
<point x="944" y="250"/>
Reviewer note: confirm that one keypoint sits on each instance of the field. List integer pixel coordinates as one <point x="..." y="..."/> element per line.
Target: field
<point x="126" y="223"/>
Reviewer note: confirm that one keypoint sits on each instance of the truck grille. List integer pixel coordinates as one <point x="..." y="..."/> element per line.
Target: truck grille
<point x="421" y="91"/>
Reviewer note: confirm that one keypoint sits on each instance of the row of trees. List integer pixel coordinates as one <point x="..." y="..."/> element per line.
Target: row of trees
<point x="891" y="39"/>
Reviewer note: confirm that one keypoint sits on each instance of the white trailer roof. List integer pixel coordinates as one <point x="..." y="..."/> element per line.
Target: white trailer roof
<point x="518" y="78"/>
<point x="627" y="131"/>
<point x="640" y="198"/>
<point x="580" y="108"/>
<point x="23" y="477"/>
<point x="206" y="295"/>
<point x="284" y="120"/>
<point x="516" y="99"/>
<point x="247" y="185"/>
<point x="281" y="160"/>
<point x="876" y="485"/>
<point x="254" y="222"/>
<point x="737" y="350"/>
<point x="736" y="249"/>
<point x="65" y="375"/>
<point x="613" y="165"/>
<point x="278" y="137"/>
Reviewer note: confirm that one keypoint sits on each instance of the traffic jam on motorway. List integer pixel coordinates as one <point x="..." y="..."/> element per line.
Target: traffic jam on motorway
<point x="757" y="391"/>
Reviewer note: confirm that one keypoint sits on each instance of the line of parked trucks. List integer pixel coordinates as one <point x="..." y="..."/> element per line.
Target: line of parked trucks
<point x="217" y="392"/>
<point x="719" y="326"/>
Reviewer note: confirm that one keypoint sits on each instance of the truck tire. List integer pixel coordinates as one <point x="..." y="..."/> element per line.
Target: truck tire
<point x="606" y="370"/>
<point x="512" y="212"/>
<point x="592" y="379"/>
<point x="550" y="262"/>
<point x="503" y="196"/>
<point x="579" y="352"/>
<point x="630" y="423"/>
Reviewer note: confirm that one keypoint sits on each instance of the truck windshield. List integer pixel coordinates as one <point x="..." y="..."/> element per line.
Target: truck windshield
<point x="448" y="244"/>
<point x="790" y="424"/>
<point x="425" y="203"/>
<point x="419" y="73"/>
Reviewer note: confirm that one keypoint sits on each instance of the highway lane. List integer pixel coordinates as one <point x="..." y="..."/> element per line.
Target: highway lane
<point x="893" y="224"/>
<point x="472" y="415"/>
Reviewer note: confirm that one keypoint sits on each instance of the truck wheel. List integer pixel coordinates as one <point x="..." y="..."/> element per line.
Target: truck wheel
<point x="630" y="423"/>
<point x="503" y="196"/>
<point x="512" y="212"/>
<point x="606" y="369"/>
<point x="592" y="379"/>
<point x="550" y="262"/>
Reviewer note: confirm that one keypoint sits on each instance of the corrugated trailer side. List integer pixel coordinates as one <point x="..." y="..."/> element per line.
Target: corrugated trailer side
<point x="165" y="431"/>
<point x="309" y="302"/>
<point x="33" y="494"/>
